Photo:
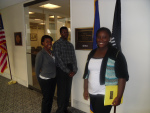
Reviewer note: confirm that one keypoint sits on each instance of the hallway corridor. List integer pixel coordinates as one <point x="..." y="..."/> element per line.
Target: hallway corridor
<point x="16" y="98"/>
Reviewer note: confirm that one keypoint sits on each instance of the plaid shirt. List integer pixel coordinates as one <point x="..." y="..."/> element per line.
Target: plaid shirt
<point x="65" y="54"/>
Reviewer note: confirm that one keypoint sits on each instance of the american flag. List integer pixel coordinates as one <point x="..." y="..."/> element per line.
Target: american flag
<point x="3" y="47"/>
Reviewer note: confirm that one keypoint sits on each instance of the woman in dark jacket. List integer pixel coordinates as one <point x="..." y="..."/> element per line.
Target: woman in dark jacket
<point x="98" y="66"/>
<point x="46" y="71"/>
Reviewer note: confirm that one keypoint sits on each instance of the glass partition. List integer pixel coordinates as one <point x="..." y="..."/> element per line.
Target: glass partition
<point x="43" y="21"/>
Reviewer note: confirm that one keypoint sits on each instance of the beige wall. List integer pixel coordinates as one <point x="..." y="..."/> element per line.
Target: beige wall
<point x="13" y="20"/>
<point x="7" y="3"/>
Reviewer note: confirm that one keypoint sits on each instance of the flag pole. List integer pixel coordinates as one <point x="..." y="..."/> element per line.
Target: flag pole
<point x="11" y="81"/>
<point x="114" y="109"/>
<point x="9" y="64"/>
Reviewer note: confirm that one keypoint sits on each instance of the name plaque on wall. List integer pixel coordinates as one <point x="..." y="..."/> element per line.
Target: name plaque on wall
<point x="84" y="38"/>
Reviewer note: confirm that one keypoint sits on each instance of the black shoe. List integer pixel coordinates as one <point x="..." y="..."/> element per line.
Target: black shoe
<point x="67" y="111"/>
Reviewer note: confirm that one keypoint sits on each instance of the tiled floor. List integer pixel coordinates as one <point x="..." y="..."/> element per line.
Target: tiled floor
<point x="16" y="98"/>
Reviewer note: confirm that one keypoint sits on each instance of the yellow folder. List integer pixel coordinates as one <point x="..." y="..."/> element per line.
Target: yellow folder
<point x="110" y="94"/>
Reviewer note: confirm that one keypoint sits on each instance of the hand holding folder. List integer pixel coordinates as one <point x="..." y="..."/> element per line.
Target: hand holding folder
<point x="116" y="101"/>
<point x="110" y="94"/>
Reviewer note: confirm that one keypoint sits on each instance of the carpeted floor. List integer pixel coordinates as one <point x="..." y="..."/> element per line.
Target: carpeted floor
<point x="16" y="98"/>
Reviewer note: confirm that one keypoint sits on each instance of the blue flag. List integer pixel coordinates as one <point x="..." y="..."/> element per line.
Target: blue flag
<point x="1" y="23"/>
<point x="96" y="23"/>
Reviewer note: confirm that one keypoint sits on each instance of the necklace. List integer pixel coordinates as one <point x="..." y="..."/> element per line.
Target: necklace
<point x="49" y="53"/>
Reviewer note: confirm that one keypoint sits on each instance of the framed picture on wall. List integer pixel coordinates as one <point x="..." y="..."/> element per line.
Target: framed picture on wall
<point x="18" y="38"/>
<point x="84" y="38"/>
<point x="33" y="37"/>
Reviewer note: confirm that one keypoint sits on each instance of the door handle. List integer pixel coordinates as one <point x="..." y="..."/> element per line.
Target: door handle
<point x="29" y="53"/>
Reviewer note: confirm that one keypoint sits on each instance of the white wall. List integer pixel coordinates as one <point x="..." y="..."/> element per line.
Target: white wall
<point x="13" y="20"/>
<point x="6" y="3"/>
<point x="135" y="46"/>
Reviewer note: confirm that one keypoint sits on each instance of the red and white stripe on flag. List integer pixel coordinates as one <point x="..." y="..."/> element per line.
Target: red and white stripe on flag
<point x="3" y="51"/>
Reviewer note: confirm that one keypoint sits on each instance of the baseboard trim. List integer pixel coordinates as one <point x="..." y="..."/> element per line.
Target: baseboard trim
<point x="81" y="106"/>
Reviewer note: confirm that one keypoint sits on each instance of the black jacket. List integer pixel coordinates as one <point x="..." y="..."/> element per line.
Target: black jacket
<point x="120" y="64"/>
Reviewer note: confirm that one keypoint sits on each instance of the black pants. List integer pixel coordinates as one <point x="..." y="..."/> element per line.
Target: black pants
<point x="64" y="83"/>
<point x="97" y="102"/>
<point x="48" y="89"/>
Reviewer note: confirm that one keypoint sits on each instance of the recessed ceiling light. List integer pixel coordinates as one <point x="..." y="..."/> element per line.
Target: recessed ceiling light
<point x="37" y="19"/>
<point x="31" y="12"/>
<point x="69" y="29"/>
<point x="53" y="17"/>
<point x="48" y="31"/>
<point x="50" y="6"/>
<point x="42" y="23"/>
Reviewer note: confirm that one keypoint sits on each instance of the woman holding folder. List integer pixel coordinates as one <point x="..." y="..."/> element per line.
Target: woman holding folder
<point x="105" y="65"/>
